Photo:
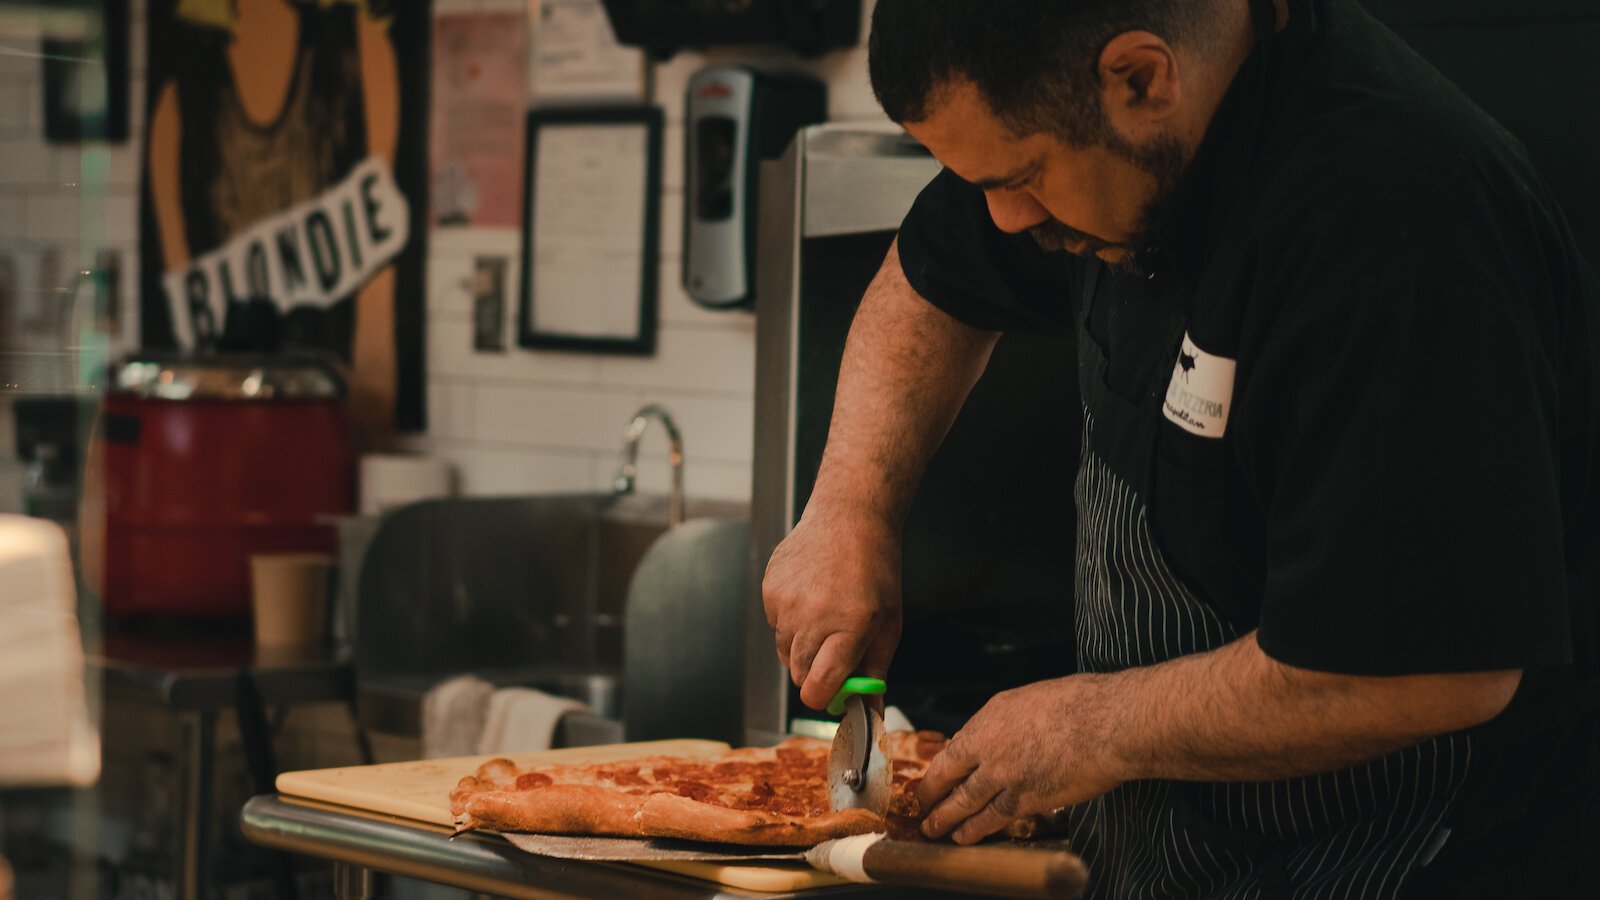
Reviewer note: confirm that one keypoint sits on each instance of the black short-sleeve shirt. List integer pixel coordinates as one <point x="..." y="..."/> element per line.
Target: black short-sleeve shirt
<point x="1408" y="478"/>
<point x="1412" y="446"/>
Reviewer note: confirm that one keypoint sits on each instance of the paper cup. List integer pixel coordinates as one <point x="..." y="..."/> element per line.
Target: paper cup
<point x="289" y="593"/>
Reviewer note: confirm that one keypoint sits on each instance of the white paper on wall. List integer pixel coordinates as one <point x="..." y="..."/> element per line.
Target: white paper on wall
<point x="576" y="56"/>
<point x="588" y="229"/>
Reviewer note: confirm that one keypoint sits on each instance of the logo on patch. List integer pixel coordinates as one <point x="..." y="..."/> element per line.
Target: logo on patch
<point x="1201" y="391"/>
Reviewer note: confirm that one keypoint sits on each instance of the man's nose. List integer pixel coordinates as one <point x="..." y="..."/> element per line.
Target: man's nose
<point x="1015" y="211"/>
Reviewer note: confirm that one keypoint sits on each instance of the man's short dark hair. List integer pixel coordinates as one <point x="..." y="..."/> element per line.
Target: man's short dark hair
<point x="1036" y="62"/>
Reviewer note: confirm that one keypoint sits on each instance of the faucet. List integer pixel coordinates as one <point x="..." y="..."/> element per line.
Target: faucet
<point x="628" y="474"/>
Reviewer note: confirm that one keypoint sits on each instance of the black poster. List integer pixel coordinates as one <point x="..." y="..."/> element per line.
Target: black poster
<point x="284" y="189"/>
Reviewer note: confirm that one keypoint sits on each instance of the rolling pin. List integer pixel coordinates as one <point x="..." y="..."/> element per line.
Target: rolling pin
<point x="999" y="871"/>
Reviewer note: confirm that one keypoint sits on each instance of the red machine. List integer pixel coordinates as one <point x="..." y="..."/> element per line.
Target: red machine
<point x="209" y="461"/>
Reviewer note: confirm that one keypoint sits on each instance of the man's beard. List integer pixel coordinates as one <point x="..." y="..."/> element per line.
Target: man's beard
<point x="1163" y="159"/>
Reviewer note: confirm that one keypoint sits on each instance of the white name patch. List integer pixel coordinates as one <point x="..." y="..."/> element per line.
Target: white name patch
<point x="1201" y="391"/>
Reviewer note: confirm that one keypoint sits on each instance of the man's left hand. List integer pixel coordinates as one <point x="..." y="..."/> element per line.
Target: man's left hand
<point x="1028" y="751"/>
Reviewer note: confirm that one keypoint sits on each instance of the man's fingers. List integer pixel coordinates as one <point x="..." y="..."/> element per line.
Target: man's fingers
<point x="878" y="652"/>
<point x="838" y="656"/>
<point x="875" y="661"/>
<point x="783" y="641"/>
<point x="948" y="769"/>
<point x="970" y="796"/>
<point x="1000" y="811"/>
<point x="802" y="650"/>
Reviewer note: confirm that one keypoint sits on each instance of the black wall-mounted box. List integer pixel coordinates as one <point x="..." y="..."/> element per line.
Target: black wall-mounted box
<point x="663" y="27"/>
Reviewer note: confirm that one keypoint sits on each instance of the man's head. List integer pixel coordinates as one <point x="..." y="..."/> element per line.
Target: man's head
<point x="1076" y="117"/>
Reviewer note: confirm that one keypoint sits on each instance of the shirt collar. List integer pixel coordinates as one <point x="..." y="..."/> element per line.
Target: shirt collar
<point x="1185" y="227"/>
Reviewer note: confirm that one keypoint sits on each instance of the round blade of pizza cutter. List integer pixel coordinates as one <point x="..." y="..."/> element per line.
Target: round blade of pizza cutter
<point x="859" y="774"/>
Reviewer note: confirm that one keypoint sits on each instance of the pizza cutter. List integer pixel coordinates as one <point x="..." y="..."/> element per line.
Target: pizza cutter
<point x="859" y="774"/>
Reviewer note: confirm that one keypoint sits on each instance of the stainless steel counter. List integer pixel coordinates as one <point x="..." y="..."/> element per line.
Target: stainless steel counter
<point x="362" y="843"/>
<point x="200" y="672"/>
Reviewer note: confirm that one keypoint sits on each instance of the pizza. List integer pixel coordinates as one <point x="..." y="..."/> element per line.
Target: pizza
<point x="772" y="796"/>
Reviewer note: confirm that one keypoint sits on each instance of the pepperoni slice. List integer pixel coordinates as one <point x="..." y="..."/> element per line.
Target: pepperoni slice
<point x="791" y="758"/>
<point x="791" y="782"/>
<point x="703" y="793"/>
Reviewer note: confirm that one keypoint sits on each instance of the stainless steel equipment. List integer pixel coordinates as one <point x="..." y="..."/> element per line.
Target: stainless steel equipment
<point x="682" y="644"/>
<point x="832" y="181"/>
<point x="859" y="773"/>
<point x="987" y="560"/>
<point x="360" y="844"/>
<point x="628" y="472"/>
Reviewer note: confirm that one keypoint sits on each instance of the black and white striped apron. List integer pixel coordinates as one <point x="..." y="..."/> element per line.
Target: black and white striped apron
<point x="1355" y="833"/>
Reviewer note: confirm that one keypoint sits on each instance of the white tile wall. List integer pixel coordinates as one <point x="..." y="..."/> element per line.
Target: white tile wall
<point x="72" y="200"/>
<point x="529" y="420"/>
<point x="689" y="358"/>
<point x="13" y="217"/>
<point x="23" y="164"/>
<point x="15" y="99"/>
<point x="484" y="470"/>
<point x="583" y="418"/>
<point x="97" y="164"/>
<point x="451" y="357"/>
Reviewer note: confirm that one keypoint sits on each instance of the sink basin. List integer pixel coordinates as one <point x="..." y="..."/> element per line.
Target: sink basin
<point x="520" y="590"/>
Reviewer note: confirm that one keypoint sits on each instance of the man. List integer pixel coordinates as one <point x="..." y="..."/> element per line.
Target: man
<point x="1337" y="506"/>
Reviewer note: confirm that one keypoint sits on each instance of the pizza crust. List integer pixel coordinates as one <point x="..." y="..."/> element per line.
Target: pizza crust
<point x="555" y="809"/>
<point x="668" y="815"/>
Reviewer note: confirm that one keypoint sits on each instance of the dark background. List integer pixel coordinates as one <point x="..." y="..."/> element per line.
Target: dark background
<point x="1535" y="67"/>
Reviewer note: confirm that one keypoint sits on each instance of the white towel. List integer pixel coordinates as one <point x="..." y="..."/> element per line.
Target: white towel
<point x="453" y="713"/>
<point x="522" y="720"/>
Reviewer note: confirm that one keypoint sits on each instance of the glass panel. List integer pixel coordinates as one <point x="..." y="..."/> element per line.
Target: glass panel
<point x="67" y="246"/>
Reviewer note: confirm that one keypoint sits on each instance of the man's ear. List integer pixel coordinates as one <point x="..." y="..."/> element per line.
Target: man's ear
<point x="1139" y="82"/>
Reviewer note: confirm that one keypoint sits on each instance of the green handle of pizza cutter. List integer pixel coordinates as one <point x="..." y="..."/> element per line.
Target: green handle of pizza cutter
<point x="855" y="685"/>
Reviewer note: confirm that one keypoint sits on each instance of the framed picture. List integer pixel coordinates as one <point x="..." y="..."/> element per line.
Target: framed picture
<point x="293" y="199"/>
<point x="86" y="81"/>
<point x="591" y="235"/>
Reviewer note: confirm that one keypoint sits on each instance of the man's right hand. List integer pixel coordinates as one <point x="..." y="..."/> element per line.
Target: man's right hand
<point x="832" y="595"/>
<point x="832" y="589"/>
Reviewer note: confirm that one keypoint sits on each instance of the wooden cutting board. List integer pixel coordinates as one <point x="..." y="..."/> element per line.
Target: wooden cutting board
<point x="420" y="790"/>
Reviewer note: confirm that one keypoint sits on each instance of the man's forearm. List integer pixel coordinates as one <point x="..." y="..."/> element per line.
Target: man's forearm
<point x="1232" y="714"/>
<point x="1235" y="714"/>
<point x="906" y="371"/>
